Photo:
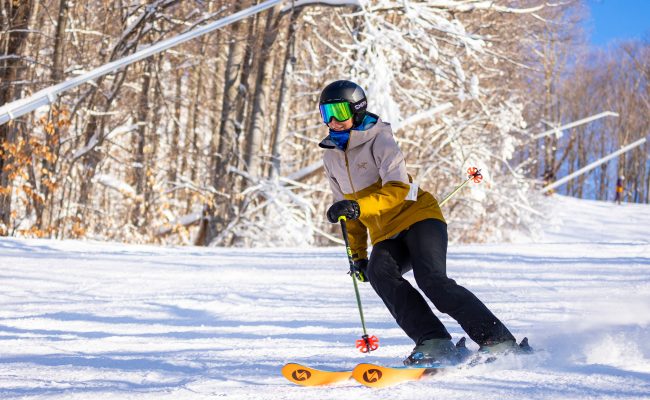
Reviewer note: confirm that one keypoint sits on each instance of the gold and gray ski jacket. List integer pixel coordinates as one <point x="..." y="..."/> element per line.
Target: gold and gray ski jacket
<point x="372" y="171"/>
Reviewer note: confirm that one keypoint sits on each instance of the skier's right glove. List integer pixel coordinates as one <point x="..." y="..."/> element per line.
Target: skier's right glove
<point x="344" y="208"/>
<point x="359" y="269"/>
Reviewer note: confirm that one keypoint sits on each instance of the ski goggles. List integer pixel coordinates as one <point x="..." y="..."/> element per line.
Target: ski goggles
<point x="339" y="111"/>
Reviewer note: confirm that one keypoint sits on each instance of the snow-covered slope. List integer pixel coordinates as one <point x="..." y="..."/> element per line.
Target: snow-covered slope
<point x="85" y="320"/>
<point x="574" y="220"/>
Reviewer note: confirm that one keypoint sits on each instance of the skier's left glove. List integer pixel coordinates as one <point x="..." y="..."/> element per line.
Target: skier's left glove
<point x="359" y="268"/>
<point x="344" y="208"/>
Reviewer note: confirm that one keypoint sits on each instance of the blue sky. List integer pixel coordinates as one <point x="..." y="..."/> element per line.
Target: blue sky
<point x="619" y="19"/>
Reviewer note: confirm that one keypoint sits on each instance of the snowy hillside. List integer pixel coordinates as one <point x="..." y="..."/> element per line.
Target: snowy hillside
<point x="109" y="321"/>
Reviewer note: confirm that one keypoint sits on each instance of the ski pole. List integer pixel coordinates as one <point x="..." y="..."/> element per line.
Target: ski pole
<point x="366" y="343"/>
<point x="474" y="175"/>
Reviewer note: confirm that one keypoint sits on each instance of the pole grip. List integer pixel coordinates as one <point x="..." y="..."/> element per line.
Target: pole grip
<point x="346" y="240"/>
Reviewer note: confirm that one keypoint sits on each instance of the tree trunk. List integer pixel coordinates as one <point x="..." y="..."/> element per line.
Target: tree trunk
<point x="280" y="111"/>
<point x="53" y="136"/>
<point x="140" y="158"/>
<point x="174" y="165"/>
<point x="195" y="109"/>
<point x="219" y="214"/>
<point x="260" y="117"/>
<point x="59" y="43"/>
<point x="15" y="20"/>
<point x="603" y="171"/>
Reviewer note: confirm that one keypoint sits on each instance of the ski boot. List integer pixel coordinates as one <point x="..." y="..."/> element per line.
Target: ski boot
<point x="489" y="352"/>
<point x="437" y="353"/>
<point x="506" y="347"/>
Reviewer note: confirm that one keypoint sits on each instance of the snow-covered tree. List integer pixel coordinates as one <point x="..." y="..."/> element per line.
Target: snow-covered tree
<point x="214" y="142"/>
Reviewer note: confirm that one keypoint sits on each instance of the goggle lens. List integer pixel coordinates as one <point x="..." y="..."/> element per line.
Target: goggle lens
<point x="340" y="111"/>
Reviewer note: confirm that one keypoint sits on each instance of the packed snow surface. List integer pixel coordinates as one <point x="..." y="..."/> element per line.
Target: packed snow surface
<point x="82" y="320"/>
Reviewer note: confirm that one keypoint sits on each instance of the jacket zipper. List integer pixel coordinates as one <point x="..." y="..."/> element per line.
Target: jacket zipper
<point x="354" y="191"/>
<point x="347" y="167"/>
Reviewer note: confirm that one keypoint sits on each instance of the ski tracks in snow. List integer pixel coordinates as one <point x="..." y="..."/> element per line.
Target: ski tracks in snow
<point x="84" y="319"/>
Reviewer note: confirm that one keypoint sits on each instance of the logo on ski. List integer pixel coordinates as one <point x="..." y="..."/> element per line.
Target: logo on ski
<point x="372" y="375"/>
<point x="301" y="375"/>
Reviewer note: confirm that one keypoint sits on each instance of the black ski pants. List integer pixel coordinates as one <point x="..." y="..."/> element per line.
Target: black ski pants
<point x="423" y="248"/>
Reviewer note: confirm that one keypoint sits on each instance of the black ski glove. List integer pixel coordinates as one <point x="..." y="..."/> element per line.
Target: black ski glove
<point x="359" y="270"/>
<point x="346" y="208"/>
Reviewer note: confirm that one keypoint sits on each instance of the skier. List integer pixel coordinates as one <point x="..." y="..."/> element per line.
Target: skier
<point x="371" y="188"/>
<point x="619" y="190"/>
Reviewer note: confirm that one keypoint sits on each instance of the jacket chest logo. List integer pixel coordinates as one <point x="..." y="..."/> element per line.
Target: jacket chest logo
<point x="362" y="165"/>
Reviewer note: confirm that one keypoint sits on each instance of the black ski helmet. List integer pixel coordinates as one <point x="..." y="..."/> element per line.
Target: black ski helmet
<point x="350" y="92"/>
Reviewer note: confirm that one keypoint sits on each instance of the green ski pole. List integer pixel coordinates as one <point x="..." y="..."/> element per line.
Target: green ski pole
<point x="366" y="343"/>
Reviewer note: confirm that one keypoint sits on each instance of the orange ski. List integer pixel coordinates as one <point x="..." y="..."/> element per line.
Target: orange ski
<point x="376" y="376"/>
<point x="305" y="376"/>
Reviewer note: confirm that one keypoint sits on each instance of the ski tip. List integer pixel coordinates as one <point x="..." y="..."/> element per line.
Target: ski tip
<point x="306" y="376"/>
